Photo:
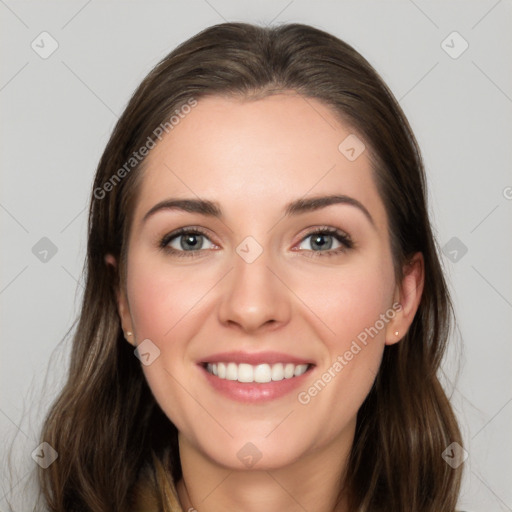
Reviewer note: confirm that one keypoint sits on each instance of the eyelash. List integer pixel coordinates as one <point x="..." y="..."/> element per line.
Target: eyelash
<point x="340" y="236"/>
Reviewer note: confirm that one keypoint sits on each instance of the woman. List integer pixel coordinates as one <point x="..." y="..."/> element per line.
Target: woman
<point x="265" y="312"/>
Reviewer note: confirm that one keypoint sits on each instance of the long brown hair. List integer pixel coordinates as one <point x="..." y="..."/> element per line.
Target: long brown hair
<point x="106" y="426"/>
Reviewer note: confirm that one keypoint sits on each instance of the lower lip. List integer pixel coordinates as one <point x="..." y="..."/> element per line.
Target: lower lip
<point x="253" y="392"/>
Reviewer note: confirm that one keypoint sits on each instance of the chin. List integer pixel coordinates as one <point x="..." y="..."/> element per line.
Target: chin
<point x="247" y="451"/>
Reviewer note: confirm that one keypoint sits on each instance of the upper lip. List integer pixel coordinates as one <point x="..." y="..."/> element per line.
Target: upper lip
<point x="254" y="358"/>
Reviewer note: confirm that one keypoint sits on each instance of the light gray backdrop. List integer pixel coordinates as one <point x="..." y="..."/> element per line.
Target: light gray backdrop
<point x="68" y="69"/>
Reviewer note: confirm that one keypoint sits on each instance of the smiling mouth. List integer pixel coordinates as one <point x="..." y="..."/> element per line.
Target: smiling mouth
<point x="259" y="373"/>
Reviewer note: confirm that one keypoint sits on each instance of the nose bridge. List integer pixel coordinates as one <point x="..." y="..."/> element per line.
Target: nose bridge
<point x="253" y="295"/>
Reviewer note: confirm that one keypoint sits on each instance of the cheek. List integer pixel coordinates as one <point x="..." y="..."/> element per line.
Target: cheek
<point x="162" y="299"/>
<point x="356" y="307"/>
<point x="350" y="301"/>
<point x="157" y="302"/>
<point x="165" y="302"/>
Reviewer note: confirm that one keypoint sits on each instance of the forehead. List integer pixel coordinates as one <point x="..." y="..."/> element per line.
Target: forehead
<point x="258" y="154"/>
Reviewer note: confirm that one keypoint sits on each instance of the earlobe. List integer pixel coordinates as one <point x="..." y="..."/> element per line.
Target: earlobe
<point x="124" y="314"/>
<point x="110" y="260"/>
<point x="123" y="309"/>
<point x="408" y="295"/>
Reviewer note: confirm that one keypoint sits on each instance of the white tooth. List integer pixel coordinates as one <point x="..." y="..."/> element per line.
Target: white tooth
<point x="262" y="373"/>
<point x="277" y="372"/>
<point x="232" y="371"/>
<point x="245" y="373"/>
<point x="221" y="370"/>
<point x="300" y="369"/>
<point x="288" y="370"/>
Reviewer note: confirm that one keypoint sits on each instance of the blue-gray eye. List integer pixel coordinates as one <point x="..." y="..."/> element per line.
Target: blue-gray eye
<point x="322" y="240"/>
<point x="186" y="240"/>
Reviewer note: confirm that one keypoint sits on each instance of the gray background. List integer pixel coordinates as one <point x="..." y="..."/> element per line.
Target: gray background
<point x="58" y="112"/>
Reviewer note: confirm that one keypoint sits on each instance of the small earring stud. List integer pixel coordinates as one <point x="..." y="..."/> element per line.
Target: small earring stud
<point x="129" y="333"/>
<point x="396" y="333"/>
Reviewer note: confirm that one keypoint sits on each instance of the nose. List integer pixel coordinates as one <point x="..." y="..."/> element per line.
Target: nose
<point x="254" y="296"/>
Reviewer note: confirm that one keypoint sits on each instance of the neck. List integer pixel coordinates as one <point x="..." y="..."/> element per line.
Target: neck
<point x="311" y="483"/>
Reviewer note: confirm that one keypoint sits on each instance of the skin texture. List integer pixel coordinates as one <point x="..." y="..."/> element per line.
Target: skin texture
<point x="254" y="157"/>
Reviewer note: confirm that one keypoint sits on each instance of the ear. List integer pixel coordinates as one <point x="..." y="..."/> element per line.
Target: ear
<point x="123" y="308"/>
<point x="408" y="294"/>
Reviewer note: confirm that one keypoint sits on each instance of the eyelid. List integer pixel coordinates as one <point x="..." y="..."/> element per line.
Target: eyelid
<point x="343" y="238"/>
<point x="164" y="241"/>
<point x="330" y="230"/>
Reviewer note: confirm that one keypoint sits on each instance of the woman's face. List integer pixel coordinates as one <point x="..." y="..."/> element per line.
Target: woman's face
<point x="257" y="293"/>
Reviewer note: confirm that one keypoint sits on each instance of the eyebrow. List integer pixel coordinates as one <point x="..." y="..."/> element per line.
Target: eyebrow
<point x="297" y="207"/>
